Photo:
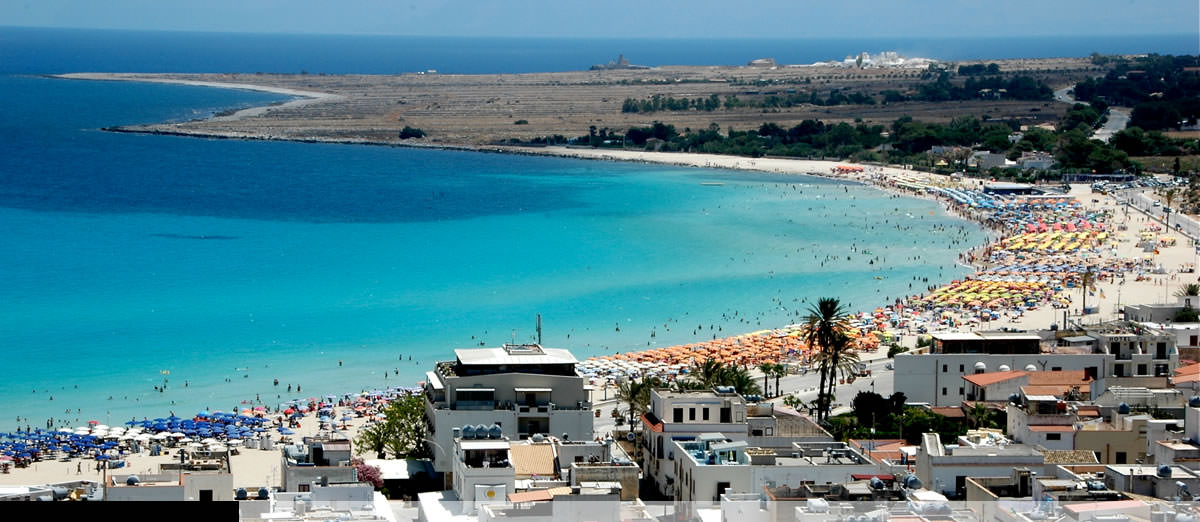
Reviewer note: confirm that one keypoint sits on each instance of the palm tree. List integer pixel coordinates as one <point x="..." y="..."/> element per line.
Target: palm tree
<point x="767" y="370"/>
<point x="741" y="381"/>
<point x="1086" y="280"/>
<point x="636" y="394"/>
<point x="841" y="360"/>
<point x="1188" y="290"/>
<point x="709" y="373"/>
<point x="780" y="371"/>
<point x="826" y="324"/>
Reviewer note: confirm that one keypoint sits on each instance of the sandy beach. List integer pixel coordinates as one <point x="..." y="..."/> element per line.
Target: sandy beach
<point x="254" y="468"/>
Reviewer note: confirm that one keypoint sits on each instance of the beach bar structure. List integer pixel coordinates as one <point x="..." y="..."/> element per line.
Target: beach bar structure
<point x="524" y="389"/>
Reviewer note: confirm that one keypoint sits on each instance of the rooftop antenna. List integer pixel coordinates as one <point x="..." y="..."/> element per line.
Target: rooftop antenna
<point x="514" y="336"/>
<point x="539" y="329"/>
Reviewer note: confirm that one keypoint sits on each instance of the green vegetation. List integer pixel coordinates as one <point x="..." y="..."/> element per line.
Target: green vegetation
<point x="978" y="69"/>
<point x="411" y="132"/>
<point x="402" y="432"/>
<point x="521" y="122"/>
<point x="875" y="416"/>
<point x="635" y="394"/>
<point x="827" y="329"/>
<point x="941" y="89"/>
<point x="713" y="373"/>
<point x="1163" y="90"/>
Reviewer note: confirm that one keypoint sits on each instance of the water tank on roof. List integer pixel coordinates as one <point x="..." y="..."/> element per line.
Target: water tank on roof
<point x="912" y="482"/>
<point x="1096" y="485"/>
<point x="481" y="431"/>
<point x="725" y="389"/>
<point x="132" y="480"/>
<point x="1004" y="368"/>
<point x="263" y="493"/>
<point x="1014" y="398"/>
<point x="1123" y="408"/>
<point x="537" y="437"/>
<point x="1031" y="367"/>
<point x="1194" y="401"/>
<point x="495" y="432"/>
<point x="980" y="366"/>
<point x="1164" y="471"/>
<point x="876" y="483"/>
<point x="468" y="432"/>
<point x="241" y="494"/>
<point x="457" y="432"/>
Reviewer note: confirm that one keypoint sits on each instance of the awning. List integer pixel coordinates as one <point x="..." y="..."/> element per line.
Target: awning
<point x="461" y="390"/>
<point x="483" y="444"/>
<point x="533" y="390"/>
<point x="433" y="380"/>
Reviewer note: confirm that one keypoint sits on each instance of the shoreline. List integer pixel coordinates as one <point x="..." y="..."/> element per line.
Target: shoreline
<point x="303" y="97"/>
<point x="878" y="176"/>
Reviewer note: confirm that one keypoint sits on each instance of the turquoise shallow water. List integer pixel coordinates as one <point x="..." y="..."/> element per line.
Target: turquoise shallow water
<point x="229" y="264"/>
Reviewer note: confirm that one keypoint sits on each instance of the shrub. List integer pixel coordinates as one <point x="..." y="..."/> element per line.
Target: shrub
<point x="410" y="132"/>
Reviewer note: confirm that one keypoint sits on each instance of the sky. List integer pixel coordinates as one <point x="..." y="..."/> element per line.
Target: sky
<point x="622" y="18"/>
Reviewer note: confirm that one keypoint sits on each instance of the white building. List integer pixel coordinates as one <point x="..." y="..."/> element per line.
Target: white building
<point x="524" y="389"/>
<point x="937" y="378"/>
<point x="683" y="416"/>
<point x="713" y="465"/>
<point x="945" y="468"/>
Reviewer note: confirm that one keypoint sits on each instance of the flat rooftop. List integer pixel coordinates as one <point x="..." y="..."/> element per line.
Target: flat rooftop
<point x="514" y="355"/>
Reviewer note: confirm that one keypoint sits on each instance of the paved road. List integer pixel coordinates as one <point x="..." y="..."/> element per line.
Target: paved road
<point x="1118" y="119"/>
<point x="1064" y="95"/>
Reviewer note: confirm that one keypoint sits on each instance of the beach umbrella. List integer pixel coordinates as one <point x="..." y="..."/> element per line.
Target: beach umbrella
<point x="93" y="422"/>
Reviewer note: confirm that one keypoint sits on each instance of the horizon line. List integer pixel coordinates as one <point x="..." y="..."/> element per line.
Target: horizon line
<point x="615" y="37"/>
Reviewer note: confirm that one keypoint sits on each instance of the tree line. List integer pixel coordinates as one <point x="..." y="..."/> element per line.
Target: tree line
<point x="1163" y="90"/>
<point x="942" y="89"/>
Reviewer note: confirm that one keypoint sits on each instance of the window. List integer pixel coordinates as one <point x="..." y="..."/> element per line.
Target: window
<point x="1121" y="457"/>
<point x="704" y="413"/>
<point x="1193" y="340"/>
<point x="962" y="368"/>
<point x="1141" y="369"/>
<point x="677" y="415"/>
<point x="1056" y="368"/>
<point x="961" y="391"/>
<point x="943" y="391"/>
<point x="1053" y="436"/>
<point x="945" y="368"/>
<point x="578" y="458"/>
<point x="691" y="414"/>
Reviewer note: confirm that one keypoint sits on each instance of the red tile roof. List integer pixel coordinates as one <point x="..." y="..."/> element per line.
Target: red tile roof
<point x="1053" y="428"/>
<point x="1043" y="378"/>
<point x="1088" y="411"/>
<point x="530" y="496"/>
<point x="1190" y="369"/>
<point x="954" y="412"/>
<point x="1059" y="378"/>
<point x="985" y="379"/>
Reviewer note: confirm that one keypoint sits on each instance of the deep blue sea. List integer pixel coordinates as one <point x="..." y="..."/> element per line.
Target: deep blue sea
<point x="130" y="259"/>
